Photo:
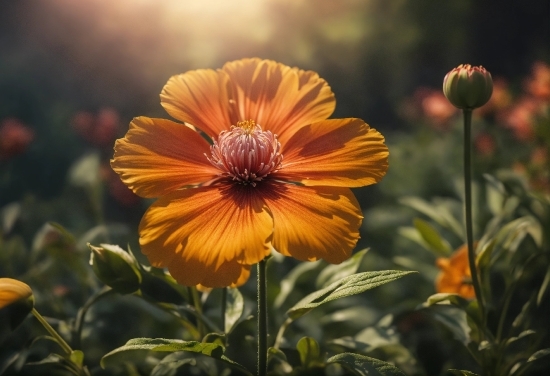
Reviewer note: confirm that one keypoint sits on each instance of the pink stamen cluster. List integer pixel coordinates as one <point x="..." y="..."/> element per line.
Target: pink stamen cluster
<point x="246" y="153"/>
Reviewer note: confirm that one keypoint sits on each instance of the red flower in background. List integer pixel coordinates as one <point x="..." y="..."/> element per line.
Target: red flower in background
<point x="117" y="189"/>
<point x="485" y="144"/>
<point x="500" y="99"/>
<point x="429" y="104"/>
<point x="538" y="85"/>
<point x="520" y="118"/>
<point x="99" y="129"/>
<point x="15" y="137"/>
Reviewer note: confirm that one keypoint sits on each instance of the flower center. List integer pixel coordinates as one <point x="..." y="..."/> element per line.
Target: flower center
<point x="246" y="153"/>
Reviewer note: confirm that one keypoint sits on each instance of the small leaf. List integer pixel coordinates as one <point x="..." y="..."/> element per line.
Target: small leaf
<point x="523" y="334"/>
<point x="233" y="308"/>
<point x="439" y="213"/>
<point x="77" y="357"/>
<point x="276" y="359"/>
<point x="432" y="238"/>
<point x="523" y="315"/>
<point x="162" y="344"/>
<point x="539" y="354"/>
<point x="8" y="216"/>
<point x="453" y="299"/>
<point x="302" y="271"/>
<point x="351" y="285"/>
<point x="458" y="372"/>
<point x="543" y="287"/>
<point x="333" y="273"/>
<point x="310" y="354"/>
<point x="365" y="366"/>
<point x="454" y="319"/>
<point x="134" y="348"/>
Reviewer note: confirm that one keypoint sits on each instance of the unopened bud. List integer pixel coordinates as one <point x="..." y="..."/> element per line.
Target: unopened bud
<point x="115" y="267"/>
<point x="16" y="302"/>
<point x="468" y="87"/>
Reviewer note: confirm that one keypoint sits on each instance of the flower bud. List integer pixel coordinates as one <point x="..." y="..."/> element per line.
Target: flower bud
<point x="468" y="87"/>
<point x="16" y="301"/>
<point x="115" y="267"/>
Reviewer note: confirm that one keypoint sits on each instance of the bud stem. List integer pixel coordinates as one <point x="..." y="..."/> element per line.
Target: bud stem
<point x="262" y="318"/>
<point x="52" y="332"/>
<point x="468" y="206"/>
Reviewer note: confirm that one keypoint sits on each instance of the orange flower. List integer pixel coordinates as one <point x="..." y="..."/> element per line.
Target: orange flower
<point x="455" y="276"/>
<point x="13" y="291"/>
<point x="276" y="173"/>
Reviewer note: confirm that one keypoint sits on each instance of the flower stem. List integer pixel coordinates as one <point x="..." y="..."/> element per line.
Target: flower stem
<point x="468" y="206"/>
<point x="79" y="322"/>
<point x="262" y="319"/>
<point x="194" y="293"/>
<point x="224" y="303"/>
<point x="64" y="345"/>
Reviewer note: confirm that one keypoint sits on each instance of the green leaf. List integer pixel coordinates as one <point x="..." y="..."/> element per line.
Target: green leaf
<point x="135" y="348"/>
<point x="458" y="372"/>
<point x="365" y="366"/>
<point x="448" y="298"/>
<point x="9" y="214"/>
<point x="523" y="315"/>
<point x="351" y="285"/>
<point x="439" y="213"/>
<point x="333" y="273"/>
<point x="432" y="238"/>
<point x="539" y="354"/>
<point x="276" y="359"/>
<point x="302" y="271"/>
<point x="454" y="319"/>
<point x="77" y="357"/>
<point x="523" y="334"/>
<point x="234" y="307"/>
<point x="310" y="354"/>
<point x="495" y="194"/>
<point x="543" y="287"/>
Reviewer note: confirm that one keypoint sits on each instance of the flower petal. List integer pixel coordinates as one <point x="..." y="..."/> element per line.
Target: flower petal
<point x="199" y="97"/>
<point x="279" y="98"/>
<point x="313" y="222"/>
<point x="158" y="156"/>
<point x="12" y="291"/>
<point x="336" y="152"/>
<point x="203" y="235"/>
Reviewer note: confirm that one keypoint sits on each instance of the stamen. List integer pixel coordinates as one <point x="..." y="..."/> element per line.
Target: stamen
<point x="246" y="153"/>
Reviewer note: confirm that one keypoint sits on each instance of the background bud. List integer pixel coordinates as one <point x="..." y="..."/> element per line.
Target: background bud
<point x="115" y="267"/>
<point x="468" y="87"/>
<point x="16" y="302"/>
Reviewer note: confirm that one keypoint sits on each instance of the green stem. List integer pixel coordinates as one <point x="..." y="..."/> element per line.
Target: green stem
<point x="194" y="293"/>
<point x="64" y="345"/>
<point x="468" y="206"/>
<point x="224" y="303"/>
<point x="262" y="319"/>
<point x="79" y="322"/>
<point x="281" y="332"/>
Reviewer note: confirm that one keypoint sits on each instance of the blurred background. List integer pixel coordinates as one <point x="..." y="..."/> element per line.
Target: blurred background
<point x="74" y="73"/>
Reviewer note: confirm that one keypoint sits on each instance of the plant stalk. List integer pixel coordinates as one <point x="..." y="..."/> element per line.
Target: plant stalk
<point x="262" y="319"/>
<point x="468" y="206"/>
<point x="224" y="303"/>
<point x="64" y="345"/>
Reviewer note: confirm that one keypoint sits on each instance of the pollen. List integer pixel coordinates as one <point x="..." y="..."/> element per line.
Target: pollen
<point x="246" y="153"/>
<point x="248" y="125"/>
